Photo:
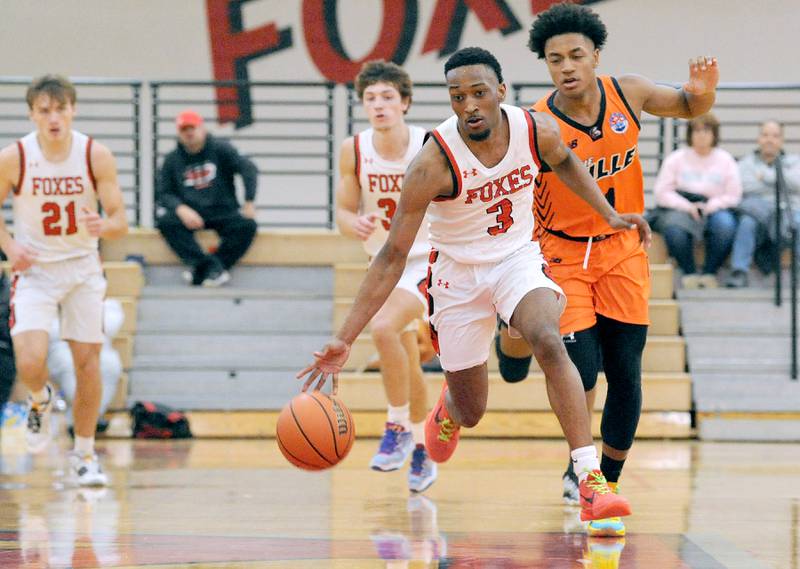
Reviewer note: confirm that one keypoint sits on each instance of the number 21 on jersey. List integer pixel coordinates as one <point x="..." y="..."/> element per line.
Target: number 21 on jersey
<point x="52" y="221"/>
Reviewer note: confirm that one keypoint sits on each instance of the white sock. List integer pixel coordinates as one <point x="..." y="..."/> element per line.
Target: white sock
<point x="400" y="416"/>
<point x="418" y="432"/>
<point x="41" y="396"/>
<point x="84" y="445"/>
<point x="584" y="460"/>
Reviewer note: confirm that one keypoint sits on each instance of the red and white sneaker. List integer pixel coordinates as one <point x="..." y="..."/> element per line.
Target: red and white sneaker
<point x="441" y="432"/>
<point x="598" y="501"/>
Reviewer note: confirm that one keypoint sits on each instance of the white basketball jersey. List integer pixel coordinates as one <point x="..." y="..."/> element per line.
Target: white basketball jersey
<point x="490" y="214"/>
<point x="381" y="181"/>
<point x="49" y="198"/>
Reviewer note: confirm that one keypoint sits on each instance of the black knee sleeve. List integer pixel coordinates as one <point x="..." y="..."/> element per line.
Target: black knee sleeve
<point x="584" y="351"/>
<point x="512" y="370"/>
<point x="622" y="345"/>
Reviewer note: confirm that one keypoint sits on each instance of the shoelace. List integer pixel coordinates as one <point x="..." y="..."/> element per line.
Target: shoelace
<point x="417" y="461"/>
<point x="389" y="442"/>
<point x="446" y="430"/>
<point x="597" y="482"/>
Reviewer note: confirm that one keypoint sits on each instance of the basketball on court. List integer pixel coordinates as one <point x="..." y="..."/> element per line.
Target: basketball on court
<point x="315" y="431"/>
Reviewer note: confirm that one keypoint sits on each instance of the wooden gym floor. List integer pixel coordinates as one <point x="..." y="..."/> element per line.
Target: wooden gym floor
<point x="497" y="504"/>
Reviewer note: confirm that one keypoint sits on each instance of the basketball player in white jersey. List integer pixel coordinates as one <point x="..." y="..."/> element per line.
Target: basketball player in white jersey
<point x="57" y="176"/>
<point x="371" y="168"/>
<point x="477" y="177"/>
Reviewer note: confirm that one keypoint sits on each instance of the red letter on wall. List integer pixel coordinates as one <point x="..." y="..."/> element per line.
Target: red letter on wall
<point x="231" y="49"/>
<point x="321" y="31"/>
<point x="447" y="22"/>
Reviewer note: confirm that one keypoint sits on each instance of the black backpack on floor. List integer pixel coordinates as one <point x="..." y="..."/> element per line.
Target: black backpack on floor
<point x="155" y="421"/>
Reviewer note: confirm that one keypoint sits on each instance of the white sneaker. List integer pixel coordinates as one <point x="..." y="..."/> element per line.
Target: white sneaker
<point x="37" y="434"/>
<point x="87" y="470"/>
<point x="216" y="279"/>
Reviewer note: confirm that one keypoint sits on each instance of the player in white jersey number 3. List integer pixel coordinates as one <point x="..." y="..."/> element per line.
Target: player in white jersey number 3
<point x="371" y="167"/>
<point x="477" y="176"/>
<point x="57" y="176"/>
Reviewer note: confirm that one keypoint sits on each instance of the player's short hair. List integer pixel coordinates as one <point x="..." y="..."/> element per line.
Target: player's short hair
<point x="566" y="18"/>
<point x="707" y="120"/>
<point x="380" y="71"/>
<point x="56" y="87"/>
<point x="474" y="56"/>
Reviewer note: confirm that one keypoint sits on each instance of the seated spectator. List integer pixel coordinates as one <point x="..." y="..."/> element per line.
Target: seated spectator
<point x="196" y="191"/>
<point x="696" y="190"/>
<point x="8" y="370"/>
<point x="62" y="368"/>
<point x="757" y="211"/>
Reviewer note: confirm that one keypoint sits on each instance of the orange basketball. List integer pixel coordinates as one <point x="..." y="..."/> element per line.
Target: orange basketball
<point x="315" y="431"/>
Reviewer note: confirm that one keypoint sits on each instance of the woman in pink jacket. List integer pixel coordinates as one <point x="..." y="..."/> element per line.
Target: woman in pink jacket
<point x="696" y="190"/>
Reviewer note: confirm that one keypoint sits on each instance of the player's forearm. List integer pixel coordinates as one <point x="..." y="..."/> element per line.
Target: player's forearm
<point x="697" y="105"/>
<point x="577" y="178"/>
<point x="382" y="277"/>
<point x="5" y="237"/>
<point x="345" y="220"/>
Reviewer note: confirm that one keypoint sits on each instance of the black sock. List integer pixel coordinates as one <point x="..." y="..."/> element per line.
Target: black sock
<point x="570" y="467"/>
<point x="612" y="469"/>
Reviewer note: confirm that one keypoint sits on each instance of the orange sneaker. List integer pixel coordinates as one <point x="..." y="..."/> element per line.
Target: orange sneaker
<point x="441" y="432"/>
<point x="598" y="501"/>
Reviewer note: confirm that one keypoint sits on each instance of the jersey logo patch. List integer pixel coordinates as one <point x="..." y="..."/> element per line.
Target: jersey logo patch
<point x="618" y="123"/>
<point x="468" y="173"/>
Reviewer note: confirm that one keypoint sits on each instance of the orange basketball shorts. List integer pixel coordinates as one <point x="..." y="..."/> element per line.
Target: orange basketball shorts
<point x="615" y="282"/>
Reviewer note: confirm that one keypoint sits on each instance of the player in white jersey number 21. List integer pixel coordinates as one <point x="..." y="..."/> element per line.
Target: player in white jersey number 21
<point x="371" y="167"/>
<point x="58" y="175"/>
<point x="477" y="177"/>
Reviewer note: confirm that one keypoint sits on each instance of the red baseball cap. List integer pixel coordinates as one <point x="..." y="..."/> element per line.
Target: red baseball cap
<point x="188" y="118"/>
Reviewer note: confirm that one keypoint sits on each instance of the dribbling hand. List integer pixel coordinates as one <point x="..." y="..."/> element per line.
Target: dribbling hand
<point x="327" y="362"/>
<point x="703" y="76"/>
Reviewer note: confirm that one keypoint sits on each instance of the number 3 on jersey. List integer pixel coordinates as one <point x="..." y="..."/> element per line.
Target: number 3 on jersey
<point x="52" y="219"/>
<point x="389" y="206"/>
<point x="504" y="220"/>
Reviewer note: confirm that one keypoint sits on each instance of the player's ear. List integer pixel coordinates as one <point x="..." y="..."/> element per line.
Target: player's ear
<point x="501" y="92"/>
<point x="596" y="58"/>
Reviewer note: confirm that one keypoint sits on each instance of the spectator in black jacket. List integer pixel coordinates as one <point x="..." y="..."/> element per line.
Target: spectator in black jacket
<point x="196" y="191"/>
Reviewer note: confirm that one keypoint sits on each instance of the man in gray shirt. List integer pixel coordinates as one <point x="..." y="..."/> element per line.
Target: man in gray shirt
<point x="757" y="210"/>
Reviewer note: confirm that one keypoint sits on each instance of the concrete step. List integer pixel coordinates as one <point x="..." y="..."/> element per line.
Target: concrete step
<point x="661" y="354"/>
<point x="231" y="311"/>
<point x="215" y="388"/>
<point x="765" y="427"/>
<point x="312" y="280"/>
<point x="735" y="349"/>
<point x="664" y="316"/>
<point x="746" y="392"/>
<point x="225" y="351"/>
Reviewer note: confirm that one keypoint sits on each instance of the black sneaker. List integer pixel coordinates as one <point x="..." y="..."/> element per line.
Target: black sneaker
<point x="737" y="279"/>
<point x="216" y="277"/>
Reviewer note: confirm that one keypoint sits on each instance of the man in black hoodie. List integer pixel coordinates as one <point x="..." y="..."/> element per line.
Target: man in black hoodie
<point x="196" y="191"/>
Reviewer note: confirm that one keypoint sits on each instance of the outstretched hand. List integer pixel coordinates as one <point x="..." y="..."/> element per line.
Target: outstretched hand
<point x="633" y="221"/>
<point x="327" y="362"/>
<point x="703" y="75"/>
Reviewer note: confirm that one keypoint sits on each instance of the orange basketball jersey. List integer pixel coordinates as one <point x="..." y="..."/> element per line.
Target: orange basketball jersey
<point x="609" y="148"/>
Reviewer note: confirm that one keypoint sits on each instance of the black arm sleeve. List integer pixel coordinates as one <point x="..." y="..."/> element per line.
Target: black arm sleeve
<point x="168" y="194"/>
<point x="245" y="167"/>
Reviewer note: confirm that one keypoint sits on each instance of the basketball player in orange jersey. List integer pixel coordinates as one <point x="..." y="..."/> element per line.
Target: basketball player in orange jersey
<point x="474" y="178"/>
<point x="604" y="273"/>
<point x="58" y="175"/>
<point x="371" y="168"/>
